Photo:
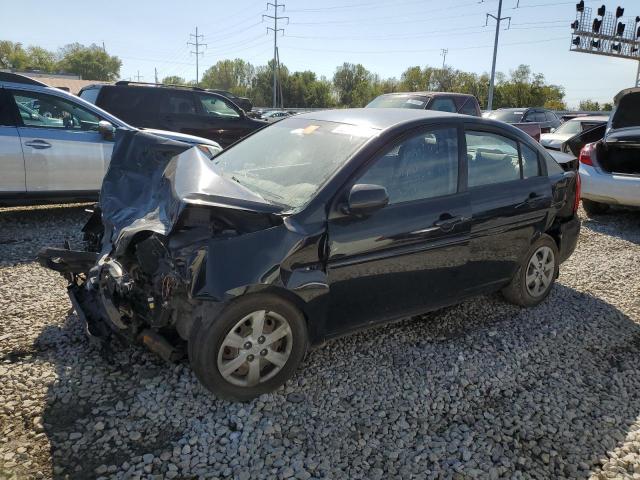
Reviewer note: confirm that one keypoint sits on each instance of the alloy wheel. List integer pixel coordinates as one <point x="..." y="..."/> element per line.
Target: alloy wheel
<point x="540" y="271"/>
<point x="255" y="349"/>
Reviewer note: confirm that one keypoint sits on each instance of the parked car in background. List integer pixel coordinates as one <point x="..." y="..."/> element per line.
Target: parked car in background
<point x="610" y="167"/>
<point x="322" y="224"/>
<point x="189" y="110"/>
<point x="275" y="115"/>
<point x="243" y="102"/>
<point x="556" y="139"/>
<point x="547" y="119"/>
<point x="439" y="101"/>
<point x="55" y="146"/>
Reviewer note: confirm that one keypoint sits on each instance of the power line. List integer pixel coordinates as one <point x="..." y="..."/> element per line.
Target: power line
<point x="275" y="17"/>
<point x="197" y="53"/>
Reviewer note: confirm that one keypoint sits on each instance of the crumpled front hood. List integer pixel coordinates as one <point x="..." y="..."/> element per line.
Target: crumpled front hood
<point x="553" y="140"/>
<point x="151" y="180"/>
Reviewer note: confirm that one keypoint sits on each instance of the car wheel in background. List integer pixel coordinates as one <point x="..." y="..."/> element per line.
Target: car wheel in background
<point x="251" y="348"/>
<point x="594" y="208"/>
<point x="536" y="274"/>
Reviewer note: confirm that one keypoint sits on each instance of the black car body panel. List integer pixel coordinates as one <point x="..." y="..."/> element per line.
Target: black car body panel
<point x="176" y="242"/>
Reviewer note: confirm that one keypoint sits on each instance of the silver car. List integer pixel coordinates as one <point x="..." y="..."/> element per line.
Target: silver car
<point x="556" y="139"/>
<point x="56" y="146"/>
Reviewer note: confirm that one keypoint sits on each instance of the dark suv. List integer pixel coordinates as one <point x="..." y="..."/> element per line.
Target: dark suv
<point x="547" y="120"/>
<point x="180" y="109"/>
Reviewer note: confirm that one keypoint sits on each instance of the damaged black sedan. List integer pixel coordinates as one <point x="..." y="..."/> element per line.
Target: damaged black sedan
<point x="318" y="225"/>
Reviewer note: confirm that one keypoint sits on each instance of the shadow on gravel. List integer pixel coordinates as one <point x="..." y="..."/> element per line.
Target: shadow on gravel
<point x="482" y="386"/>
<point x="24" y="230"/>
<point x="617" y="222"/>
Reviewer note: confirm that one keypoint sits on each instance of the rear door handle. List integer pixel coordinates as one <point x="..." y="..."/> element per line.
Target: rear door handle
<point x="38" y="144"/>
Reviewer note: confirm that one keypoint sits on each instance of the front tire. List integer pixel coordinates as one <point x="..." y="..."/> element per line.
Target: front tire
<point x="535" y="277"/>
<point x="253" y="347"/>
<point x="594" y="208"/>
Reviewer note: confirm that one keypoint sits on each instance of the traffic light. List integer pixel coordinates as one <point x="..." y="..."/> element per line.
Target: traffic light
<point x="597" y="23"/>
<point x="580" y="6"/>
<point x="620" y="29"/>
<point x="619" y="12"/>
<point x="602" y="10"/>
<point x="617" y="47"/>
<point x="575" y="24"/>
<point x="638" y="33"/>
<point x="576" y="41"/>
<point x="595" y="43"/>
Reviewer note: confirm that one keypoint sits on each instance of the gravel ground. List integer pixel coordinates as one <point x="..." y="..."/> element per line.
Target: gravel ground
<point x="480" y="390"/>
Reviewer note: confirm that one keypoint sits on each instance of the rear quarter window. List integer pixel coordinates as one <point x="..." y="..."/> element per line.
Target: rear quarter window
<point x="90" y="95"/>
<point x="552" y="166"/>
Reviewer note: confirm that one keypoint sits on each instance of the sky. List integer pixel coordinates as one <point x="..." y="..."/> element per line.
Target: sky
<point x="385" y="36"/>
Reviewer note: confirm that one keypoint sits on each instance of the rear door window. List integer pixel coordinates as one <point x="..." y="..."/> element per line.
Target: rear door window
<point x="178" y="102"/>
<point x="537" y="117"/>
<point x="469" y="108"/>
<point x="443" y="105"/>
<point x="491" y="159"/>
<point x="551" y="117"/>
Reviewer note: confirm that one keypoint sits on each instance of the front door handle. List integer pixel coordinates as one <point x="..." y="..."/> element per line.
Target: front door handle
<point x="447" y="224"/>
<point x="38" y="144"/>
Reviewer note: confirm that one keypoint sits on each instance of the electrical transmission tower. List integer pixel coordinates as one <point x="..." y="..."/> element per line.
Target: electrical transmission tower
<point x="198" y="44"/>
<point x="498" y="20"/>
<point x="275" y="17"/>
<point x="444" y="52"/>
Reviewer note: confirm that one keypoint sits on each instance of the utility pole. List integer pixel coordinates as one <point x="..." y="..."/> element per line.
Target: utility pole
<point x="444" y="56"/>
<point x="275" y="17"/>
<point x="155" y="71"/>
<point x="138" y="76"/>
<point x="197" y="43"/>
<point x="498" y="19"/>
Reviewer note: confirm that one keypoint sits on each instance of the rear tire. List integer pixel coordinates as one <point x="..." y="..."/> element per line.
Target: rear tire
<point x="536" y="274"/>
<point x="238" y="355"/>
<point x="594" y="208"/>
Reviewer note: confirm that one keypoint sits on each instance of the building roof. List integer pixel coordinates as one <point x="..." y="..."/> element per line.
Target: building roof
<point x="71" y="83"/>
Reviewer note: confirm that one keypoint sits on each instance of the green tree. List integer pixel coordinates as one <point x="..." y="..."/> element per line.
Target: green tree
<point x="39" y="58"/>
<point x="13" y="55"/>
<point x="555" y="105"/>
<point x="174" y="80"/>
<point x="607" y="107"/>
<point x="234" y="76"/>
<point x="353" y="84"/>
<point x="91" y="63"/>
<point x="589" y="105"/>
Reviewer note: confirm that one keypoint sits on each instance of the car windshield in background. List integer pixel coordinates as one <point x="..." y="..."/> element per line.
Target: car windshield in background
<point x="289" y="161"/>
<point x="572" y="127"/>
<point x="399" y="101"/>
<point x="508" y="116"/>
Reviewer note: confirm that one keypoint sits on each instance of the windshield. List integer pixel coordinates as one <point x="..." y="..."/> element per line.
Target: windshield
<point x="287" y="162"/>
<point x="508" y="116"/>
<point x="399" y="101"/>
<point x="572" y="127"/>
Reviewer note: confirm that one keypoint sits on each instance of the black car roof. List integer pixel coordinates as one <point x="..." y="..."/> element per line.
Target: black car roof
<point x="379" y="118"/>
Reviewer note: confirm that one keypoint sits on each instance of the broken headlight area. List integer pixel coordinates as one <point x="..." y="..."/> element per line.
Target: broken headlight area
<point x="161" y="207"/>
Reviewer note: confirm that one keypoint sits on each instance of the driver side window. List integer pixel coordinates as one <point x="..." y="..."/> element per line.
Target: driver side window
<point x="49" y="111"/>
<point x="217" y="107"/>
<point x="422" y="166"/>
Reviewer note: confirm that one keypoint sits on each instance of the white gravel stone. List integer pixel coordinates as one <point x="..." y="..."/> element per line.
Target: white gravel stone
<point x="478" y="390"/>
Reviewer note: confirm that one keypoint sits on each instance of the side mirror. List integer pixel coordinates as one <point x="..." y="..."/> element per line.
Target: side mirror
<point x="365" y="199"/>
<point x="106" y="129"/>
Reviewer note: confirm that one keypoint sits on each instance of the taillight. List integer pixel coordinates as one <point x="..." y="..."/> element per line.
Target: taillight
<point x="585" y="154"/>
<point x="576" y="201"/>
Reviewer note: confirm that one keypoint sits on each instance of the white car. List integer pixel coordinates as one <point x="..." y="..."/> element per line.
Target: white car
<point x="610" y="168"/>
<point x="556" y="139"/>
<point x="55" y="146"/>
